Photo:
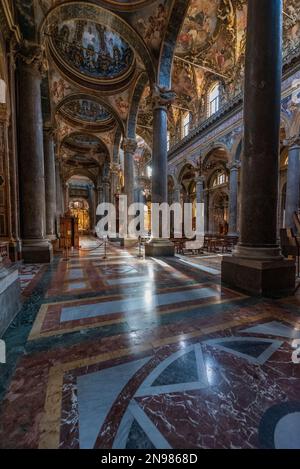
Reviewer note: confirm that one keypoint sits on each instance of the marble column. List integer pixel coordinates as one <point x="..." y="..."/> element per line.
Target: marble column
<point x="100" y="198"/>
<point x="36" y="247"/>
<point x="206" y="210"/>
<point x="66" y="196"/>
<point x="15" y="242"/>
<point x="233" y="197"/>
<point x="129" y="146"/>
<point x="200" y="189"/>
<point x="106" y="190"/>
<point x="177" y="194"/>
<point x="257" y="265"/>
<point x="161" y="100"/>
<point x="114" y="182"/>
<point x="293" y="181"/>
<point x="50" y="183"/>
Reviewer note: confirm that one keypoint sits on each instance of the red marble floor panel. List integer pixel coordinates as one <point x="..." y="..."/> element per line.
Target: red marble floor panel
<point x="41" y="405"/>
<point x="49" y="318"/>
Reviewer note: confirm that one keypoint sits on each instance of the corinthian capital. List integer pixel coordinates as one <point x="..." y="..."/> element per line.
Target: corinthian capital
<point x="162" y="97"/>
<point x="234" y="165"/>
<point x="32" y="54"/>
<point x="129" y="145"/>
<point x="292" y="141"/>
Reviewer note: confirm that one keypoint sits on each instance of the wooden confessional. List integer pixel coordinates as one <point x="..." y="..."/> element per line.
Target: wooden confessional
<point x="69" y="232"/>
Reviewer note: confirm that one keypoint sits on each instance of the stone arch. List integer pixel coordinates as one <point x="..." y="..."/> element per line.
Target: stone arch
<point x="140" y="84"/>
<point x="216" y="146"/>
<point x="177" y="15"/>
<point x="237" y="148"/>
<point x="181" y="168"/>
<point x="116" y="148"/>
<point x="285" y="123"/>
<point x="295" y="125"/>
<point x="218" y="211"/>
<point x="80" y="172"/>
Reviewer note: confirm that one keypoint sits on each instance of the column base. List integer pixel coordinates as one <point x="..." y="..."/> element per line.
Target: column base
<point x="128" y="242"/>
<point x="15" y="250"/>
<point x="158" y="247"/>
<point x="37" y="251"/>
<point x="10" y="297"/>
<point x="273" y="279"/>
<point x="51" y="237"/>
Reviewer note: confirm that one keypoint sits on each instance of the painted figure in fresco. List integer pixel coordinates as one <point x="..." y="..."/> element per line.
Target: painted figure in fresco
<point x="93" y="49"/>
<point x="153" y="28"/>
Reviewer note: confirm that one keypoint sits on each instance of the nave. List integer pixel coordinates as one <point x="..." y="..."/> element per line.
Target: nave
<point x="129" y="352"/>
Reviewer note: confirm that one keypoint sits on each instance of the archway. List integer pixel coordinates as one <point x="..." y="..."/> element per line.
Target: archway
<point x="219" y="213"/>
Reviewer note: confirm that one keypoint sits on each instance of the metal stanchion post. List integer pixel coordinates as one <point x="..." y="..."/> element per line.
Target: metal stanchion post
<point x="105" y="248"/>
<point x="140" y="255"/>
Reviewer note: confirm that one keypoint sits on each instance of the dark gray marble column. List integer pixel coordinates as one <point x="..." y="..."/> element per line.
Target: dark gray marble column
<point x="36" y="248"/>
<point x="129" y="146"/>
<point x="106" y="190"/>
<point x="233" y="196"/>
<point x="292" y="187"/>
<point x="206" y="211"/>
<point x="50" y="183"/>
<point x="177" y="194"/>
<point x="257" y="265"/>
<point x="161" y="100"/>
<point x="200" y="189"/>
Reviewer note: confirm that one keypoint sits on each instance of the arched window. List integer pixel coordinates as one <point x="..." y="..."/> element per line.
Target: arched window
<point x="214" y="99"/>
<point x="2" y="91"/>
<point x="186" y="124"/>
<point x="219" y="179"/>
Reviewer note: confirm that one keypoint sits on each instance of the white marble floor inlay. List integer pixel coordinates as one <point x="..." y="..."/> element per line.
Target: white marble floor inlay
<point x="287" y="432"/>
<point x="146" y="303"/>
<point x="96" y="394"/>
<point x="275" y="328"/>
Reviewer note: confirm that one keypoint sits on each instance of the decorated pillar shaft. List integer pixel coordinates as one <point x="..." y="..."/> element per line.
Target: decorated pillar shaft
<point x="50" y="183"/>
<point x="233" y="197"/>
<point x="31" y="158"/>
<point x="293" y="181"/>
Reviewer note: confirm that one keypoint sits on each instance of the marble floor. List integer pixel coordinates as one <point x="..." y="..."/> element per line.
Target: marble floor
<point x="125" y="352"/>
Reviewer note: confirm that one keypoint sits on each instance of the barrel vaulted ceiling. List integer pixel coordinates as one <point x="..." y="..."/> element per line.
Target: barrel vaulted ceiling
<point x="104" y="56"/>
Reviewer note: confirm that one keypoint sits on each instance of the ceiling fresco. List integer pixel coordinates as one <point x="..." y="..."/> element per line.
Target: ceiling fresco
<point x="83" y="142"/>
<point x="85" y="110"/>
<point x="151" y="23"/>
<point x="199" y="28"/>
<point x="99" y="48"/>
<point x="92" y="49"/>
